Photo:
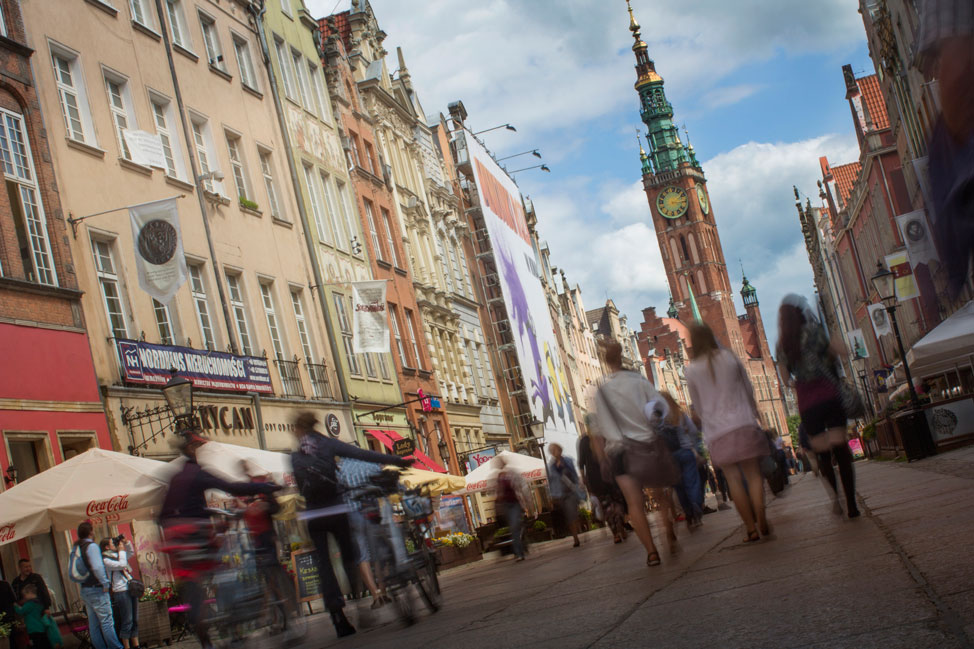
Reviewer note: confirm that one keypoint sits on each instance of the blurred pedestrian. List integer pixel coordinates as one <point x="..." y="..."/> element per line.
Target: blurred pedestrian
<point x="723" y="395"/>
<point x="512" y="503"/>
<point x="638" y="457"/>
<point x="315" y="470"/>
<point x="26" y="575"/>
<point x="591" y="451"/>
<point x="809" y="362"/>
<point x="125" y="605"/>
<point x="564" y="487"/>
<point x="32" y="610"/>
<point x="689" y="490"/>
<point x="357" y="473"/>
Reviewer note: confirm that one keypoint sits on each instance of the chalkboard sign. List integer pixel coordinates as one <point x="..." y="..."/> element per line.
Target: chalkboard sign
<point x="306" y="578"/>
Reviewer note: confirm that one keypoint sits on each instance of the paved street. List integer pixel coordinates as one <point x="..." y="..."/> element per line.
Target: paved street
<point x="901" y="576"/>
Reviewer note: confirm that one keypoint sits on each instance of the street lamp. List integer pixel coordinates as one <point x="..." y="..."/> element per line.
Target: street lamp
<point x="494" y="128"/>
<point x="542" y="167"/>
<point x="534" y="152"/>
<point x="178" y="392"/>
<point x="884" y="281"/>
<point x="860" y="362"/>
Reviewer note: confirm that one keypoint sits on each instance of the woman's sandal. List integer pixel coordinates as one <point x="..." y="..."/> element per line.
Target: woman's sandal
<point x="752" y="537"/>
<point x="652" y="559"/>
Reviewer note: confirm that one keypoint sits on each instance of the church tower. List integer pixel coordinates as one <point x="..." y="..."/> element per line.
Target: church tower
<point x="683" y="218"/>
<point x="682" y="213"/>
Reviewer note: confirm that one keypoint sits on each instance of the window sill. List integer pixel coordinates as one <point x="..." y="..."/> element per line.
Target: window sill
<point x="282" y="222"/>
<point x="426" y="373"/>
<point x="84" y="147"/>
<point x="19" y="48"/>
<point x="145" y="29"/>
<point x="189" y="54"/>
<point x="292" y="100"/>
<point x="221" y="73"/>
<point x="408" y="371"/>
<point x="251" y="211"/>
<point x="400" y="271"/>
<point x="216" y="198"/>
<point x="104" y="6"/>
<point x="253" y="91"/>
<point x="382" y="263"/>
<point x="125" y="163"/>
<point x="182" y="184"/>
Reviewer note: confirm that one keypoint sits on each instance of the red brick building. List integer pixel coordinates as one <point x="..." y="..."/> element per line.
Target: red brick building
<point x="50" y="407"/>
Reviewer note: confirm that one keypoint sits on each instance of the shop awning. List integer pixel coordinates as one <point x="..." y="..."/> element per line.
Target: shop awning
<point x="98" y="485"/>
<point x="947" y="346"/>
<point x="484" y="477"/>
<point x="423" y="461"/>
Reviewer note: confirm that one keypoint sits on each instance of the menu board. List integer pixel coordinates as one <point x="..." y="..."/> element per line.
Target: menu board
<point x="306" y="578"/>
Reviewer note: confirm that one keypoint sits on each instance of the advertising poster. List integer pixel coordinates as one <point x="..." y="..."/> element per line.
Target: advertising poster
<point x="148" y="364"/>
<point x="906" y="285"/>
<point x="951" y="419"/>
<point x="857" y="343"/>
<point x="370" y="320"/>
<point x="527" y="308"/>
<point x="881" y="324"/>
<point x="856" y="447"/>
<point x="158" y="248"/>
<point x="917" y="237"/>
<point x="474" y="460"/>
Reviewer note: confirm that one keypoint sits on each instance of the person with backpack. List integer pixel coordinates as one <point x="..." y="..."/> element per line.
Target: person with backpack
<point x="316" y="472"/>
<point x="87" y="567"/>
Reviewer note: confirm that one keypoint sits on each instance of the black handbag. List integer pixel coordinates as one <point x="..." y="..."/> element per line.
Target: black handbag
<point x="136" y="588"/>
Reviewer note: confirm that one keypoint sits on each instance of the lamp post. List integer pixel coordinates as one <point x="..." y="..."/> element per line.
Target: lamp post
<point x="494" y="128"/>
<point x="178" y="392"/>
<point x="860" y="362"/>
<point x="884" y="281"/>
<point x="541" y="167"/>
<point x="534" y="152"/>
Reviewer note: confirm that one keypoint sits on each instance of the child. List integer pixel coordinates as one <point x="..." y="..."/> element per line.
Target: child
<point x="33" y="613"/>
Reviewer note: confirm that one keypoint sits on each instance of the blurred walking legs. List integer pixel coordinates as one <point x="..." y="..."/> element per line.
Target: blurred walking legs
<point x="749" y="500"/>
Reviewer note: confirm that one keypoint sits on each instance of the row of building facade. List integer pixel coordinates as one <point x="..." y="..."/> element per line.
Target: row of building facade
<point x="875" y="213"/>
<point x="298" y="164"/>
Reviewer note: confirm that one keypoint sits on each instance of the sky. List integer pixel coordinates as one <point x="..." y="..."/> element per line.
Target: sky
<point x="757" y="84"/>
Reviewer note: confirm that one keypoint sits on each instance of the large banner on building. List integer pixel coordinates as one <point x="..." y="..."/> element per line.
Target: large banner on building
<point x="148" y="364"/>
<point x="158" y="247"/>
<point x="527" y="307"/>
<point x="370" y="317"/>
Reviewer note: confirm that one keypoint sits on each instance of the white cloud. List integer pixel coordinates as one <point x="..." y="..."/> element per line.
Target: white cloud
<point x="727" y="95"/>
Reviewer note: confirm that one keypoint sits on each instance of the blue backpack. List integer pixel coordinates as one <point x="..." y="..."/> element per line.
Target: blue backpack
<point x="79" y="570"/>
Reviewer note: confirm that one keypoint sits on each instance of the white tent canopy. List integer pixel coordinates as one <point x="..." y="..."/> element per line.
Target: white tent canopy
<point x="485" y="476"/>
<point x="227" y="461"/>
<point x="948" y="346"/>
<point x="98" y="485"/>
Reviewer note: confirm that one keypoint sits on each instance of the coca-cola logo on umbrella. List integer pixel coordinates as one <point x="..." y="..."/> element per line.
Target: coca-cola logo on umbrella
<point x="114" y="504"/>
<point x="8" y="532"/>
<point x="157" y="241"/>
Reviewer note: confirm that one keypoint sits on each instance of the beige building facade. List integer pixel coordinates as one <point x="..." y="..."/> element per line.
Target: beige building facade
<point x="194" y="78"/>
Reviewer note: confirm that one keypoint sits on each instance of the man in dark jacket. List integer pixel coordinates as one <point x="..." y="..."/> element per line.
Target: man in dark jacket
<point x="28" y="576"/>
<point x="316" y="472"/>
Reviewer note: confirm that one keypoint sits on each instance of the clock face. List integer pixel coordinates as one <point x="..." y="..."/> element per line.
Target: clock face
<point x="672" y="202"/>
<point x="702" y="198"/>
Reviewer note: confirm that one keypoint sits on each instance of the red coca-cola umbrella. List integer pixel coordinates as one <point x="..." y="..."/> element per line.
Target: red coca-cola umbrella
<point x="102" y="486"/>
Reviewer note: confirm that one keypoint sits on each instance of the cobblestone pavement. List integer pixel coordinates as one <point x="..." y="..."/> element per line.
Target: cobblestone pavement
<point x="901" y="576"/>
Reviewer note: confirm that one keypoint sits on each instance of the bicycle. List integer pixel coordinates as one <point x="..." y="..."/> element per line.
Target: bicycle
<point x="401" y="549"/>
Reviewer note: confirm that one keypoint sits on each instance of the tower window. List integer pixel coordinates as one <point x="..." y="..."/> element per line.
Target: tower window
<point x="683" y="245"/>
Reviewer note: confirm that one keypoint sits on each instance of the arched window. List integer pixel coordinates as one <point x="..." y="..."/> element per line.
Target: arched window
<point x="683" y="245"/>
<point x="676" y="253"/>
<point x="693" y="249"/>
<point x="683" y="285"/>
<point x="701" y="284"/>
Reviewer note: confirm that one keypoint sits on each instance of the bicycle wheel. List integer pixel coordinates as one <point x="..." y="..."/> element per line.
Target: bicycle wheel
<point x="427" y="583"/>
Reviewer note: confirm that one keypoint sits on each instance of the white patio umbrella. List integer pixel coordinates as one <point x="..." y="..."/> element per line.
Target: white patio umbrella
<point x="226" y="461"/>
<point x="485" y="476"/>
<point x="102" y="486"/>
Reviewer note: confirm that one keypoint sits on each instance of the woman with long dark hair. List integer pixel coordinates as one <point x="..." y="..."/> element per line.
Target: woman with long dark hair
<point x="724" y="398"/>
<point x="809" y="362"/>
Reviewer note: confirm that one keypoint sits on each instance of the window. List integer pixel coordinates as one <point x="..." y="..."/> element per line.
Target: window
<point x="341" y="237"/>
<point x="370" y="158"/>
<point x="390" y="240"/>
<point x="317" y="205"/>
<point x="286" y="6"/>
<point x="346" y="328"/>
<point x="239" y="314"/>
<point x="163" y="322"/>
<point x="383" y="366"/>
<point x="204" y="152"/>
<point x="111" y="290"/>
<point x="301" y="73"/>
<point x="211" y="40"/>
<point x="373" y="233"/>
<point x="141" y="13"/>
<point x="284" y="62"/>
<point x="244" y="63"/>
<point x="355" y="154"/>
<point x="302" y="323"/>
<point x="319" y="89"/>
<point x="177" y="23"/>
<point x="237" y="165"/>
<point x="269" y="185"/>
<point x="369" y="366"/>
<point x="397" y="333"/>
<point x="3" y="22"/>
<point x="198" y="290"/>
<point x="30" y="221"/>
<point x="457" y="270"/>
<point x="413" y="339"/>
<point x="268" y="300"/>
<point x="445" y="261"/>
<point x="345" y="211"/>
<point x="70" y="85"/>
<point x="162" y="115"/>
<point x="120" y="105"/>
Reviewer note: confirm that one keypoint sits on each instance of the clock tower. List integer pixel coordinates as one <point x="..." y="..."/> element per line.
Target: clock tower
<point x="683" y="218"/>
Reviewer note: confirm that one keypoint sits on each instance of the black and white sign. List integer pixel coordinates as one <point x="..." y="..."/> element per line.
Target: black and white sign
<point x="158" y="248"/>
<point x="370" y="318"/>
<point x="880" y="320"/>
<point x="146" y="148"/>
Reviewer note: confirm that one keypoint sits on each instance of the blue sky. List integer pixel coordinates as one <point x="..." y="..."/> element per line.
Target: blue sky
<point x="758" y="83"/>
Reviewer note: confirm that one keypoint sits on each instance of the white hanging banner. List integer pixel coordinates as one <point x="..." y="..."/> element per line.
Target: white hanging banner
<point x="880" y="320"/>
<point x="370" y="319"/>
<point x="146" y="148"/>
<point x="916" y="235"/>
<point x="158" y="248"/>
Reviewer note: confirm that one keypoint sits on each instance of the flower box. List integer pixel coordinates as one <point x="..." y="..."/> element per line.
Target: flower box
<point x="448" y="556"/>
<point x="154" y="623"/>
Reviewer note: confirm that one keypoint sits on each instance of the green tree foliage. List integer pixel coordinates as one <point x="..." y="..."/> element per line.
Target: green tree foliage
<point x="793" y="422"/>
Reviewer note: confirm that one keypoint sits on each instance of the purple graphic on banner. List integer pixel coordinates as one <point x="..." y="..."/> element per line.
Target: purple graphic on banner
<point x="150" y="364"/>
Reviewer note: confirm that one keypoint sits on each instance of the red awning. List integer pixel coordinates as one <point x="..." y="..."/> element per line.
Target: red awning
<point x="422" y="461"/>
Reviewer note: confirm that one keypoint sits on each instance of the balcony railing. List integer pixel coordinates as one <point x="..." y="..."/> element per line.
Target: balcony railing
<point x="319" y="380"/>
<point x="290" y="377"/>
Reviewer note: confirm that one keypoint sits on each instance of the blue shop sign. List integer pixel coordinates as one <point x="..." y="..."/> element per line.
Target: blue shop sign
<point x="148" y="364"/>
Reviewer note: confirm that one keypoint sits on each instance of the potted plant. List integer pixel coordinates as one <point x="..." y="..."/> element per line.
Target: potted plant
<point x="154" y="613"/>
<point x="6" y="628"/>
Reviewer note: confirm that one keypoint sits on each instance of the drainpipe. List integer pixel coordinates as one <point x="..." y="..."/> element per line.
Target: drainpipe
<point x="196" y="179"/>
<point x="257" y="11"/>
<point x="261" y="440"/>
